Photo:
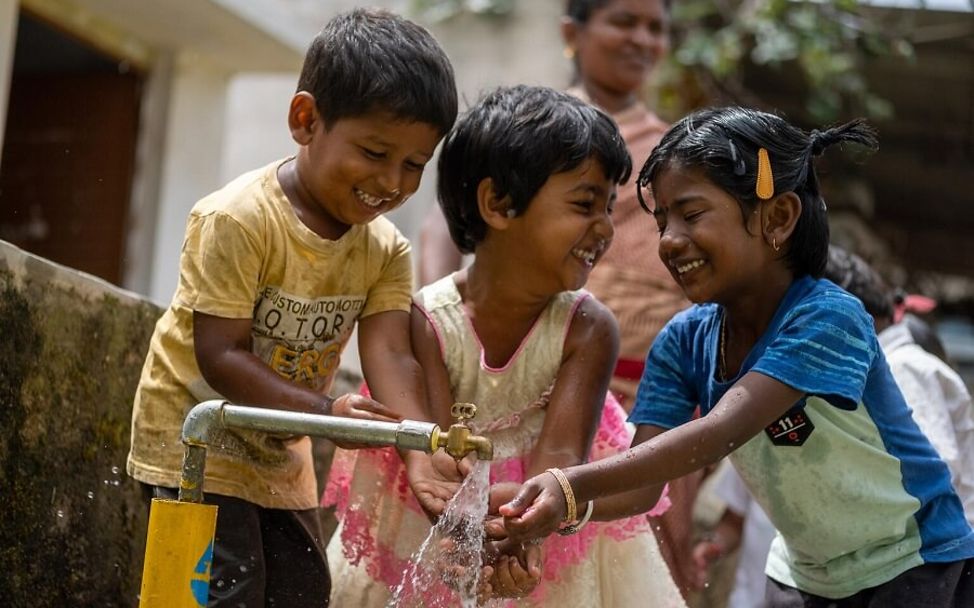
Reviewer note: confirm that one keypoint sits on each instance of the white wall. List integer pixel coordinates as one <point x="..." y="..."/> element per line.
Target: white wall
<point x="8" y="37"/>
<point x="192" y="161"/>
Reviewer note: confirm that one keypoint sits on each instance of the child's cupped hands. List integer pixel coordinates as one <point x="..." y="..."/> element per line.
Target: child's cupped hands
<point x="516" y="568"/>
<point x="536" y="510"/>
<point x="434" y="479"/>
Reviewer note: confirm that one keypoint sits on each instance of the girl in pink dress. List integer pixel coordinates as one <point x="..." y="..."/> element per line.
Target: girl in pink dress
<point x="527" y="183"/>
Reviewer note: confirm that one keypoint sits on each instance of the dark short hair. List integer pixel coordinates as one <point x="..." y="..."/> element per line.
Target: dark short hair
<point x="369" y="60"/>
<point x="581" y="10"/>
<point x="724" y="143"/>
<point x="853" y="274"/>
<point x="518" y="137"/>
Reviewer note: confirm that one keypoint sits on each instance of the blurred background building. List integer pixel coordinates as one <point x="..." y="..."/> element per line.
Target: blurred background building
<point x="117" y="116"/>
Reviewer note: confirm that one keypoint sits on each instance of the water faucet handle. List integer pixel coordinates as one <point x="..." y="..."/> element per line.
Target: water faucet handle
<point x="463" y="411"/>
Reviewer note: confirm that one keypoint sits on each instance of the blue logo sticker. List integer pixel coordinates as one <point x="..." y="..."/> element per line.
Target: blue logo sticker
<point x="200" y="587"/>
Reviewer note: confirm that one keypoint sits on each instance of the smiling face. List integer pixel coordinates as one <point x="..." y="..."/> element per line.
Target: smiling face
<point x="714" y="254"/>
<point x="567" y="226"/>
<point x="357" y="169"/>
<point x="620" y="43"/>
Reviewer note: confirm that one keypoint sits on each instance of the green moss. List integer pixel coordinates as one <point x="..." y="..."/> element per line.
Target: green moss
<point x="74" y="523"/>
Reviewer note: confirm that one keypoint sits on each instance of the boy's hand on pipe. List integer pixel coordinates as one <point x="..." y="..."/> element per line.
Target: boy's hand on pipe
<point x="356" y="406"/>
<point x="536" y="511"/>
<point x="353" y="405"/>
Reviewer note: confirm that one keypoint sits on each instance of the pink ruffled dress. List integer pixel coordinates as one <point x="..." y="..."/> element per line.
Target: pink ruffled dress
<point x="613" y="564"/>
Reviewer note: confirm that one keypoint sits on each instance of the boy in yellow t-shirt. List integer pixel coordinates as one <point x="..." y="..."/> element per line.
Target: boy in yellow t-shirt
<point x="276" y="269"/>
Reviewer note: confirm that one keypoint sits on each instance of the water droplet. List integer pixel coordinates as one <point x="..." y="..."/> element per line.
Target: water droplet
<point x="114" y="470"/>
<point x="220" y="584"/>
<point x="91" y="494"/>
<point x="243" y="568"/>
<point x="60" y="513"/>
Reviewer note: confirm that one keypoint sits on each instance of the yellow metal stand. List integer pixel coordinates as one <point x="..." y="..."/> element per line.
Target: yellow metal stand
<point x="178" y="554"/>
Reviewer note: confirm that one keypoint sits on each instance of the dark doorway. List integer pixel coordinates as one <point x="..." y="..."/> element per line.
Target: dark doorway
<point x="69" y="150"/>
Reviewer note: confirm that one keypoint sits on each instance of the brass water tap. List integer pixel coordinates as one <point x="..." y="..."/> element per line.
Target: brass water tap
<point x="458" y="440"/>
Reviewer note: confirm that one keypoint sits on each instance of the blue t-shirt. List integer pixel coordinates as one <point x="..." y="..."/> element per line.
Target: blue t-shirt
<point x="851" y="483"/>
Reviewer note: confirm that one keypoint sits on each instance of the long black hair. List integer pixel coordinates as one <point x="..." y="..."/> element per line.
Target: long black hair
<point x="724" y="143"/>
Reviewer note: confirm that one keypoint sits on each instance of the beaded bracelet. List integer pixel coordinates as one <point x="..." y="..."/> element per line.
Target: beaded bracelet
<point x="566" y="488"/>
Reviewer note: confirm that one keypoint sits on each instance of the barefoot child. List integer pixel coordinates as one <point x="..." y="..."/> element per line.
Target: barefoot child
<point x="527" y="181"/>
<point x="276" y="269"/>
<point x="790" y="378"/>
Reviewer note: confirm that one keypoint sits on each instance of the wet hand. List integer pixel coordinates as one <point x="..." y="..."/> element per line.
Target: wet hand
<point x="434" y="480"/>
<point x="361" y="408"/>
<point x="517" y="569"/>
<point x="536" y="511"/>
<point x="500" y="493"/>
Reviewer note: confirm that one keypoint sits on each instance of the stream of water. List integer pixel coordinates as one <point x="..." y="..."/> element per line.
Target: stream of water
<point x="445" y="571"/>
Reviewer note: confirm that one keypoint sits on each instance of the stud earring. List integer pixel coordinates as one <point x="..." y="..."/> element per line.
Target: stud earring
<point x="568" y="52"/>
<point x="510" y="213"/>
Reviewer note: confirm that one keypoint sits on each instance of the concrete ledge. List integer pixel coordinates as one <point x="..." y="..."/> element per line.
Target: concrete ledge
<point x="70" y="358"/>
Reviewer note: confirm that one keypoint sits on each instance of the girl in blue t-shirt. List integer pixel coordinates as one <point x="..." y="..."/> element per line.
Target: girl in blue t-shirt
<point x="790" y="381"/>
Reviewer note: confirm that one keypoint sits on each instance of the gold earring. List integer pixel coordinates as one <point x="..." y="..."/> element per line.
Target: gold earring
<point x="764" y="187"/>
<point x="774" y="243"/>
<point x="568" y="52"/>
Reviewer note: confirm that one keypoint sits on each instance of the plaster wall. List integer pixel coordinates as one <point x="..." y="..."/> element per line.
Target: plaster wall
<point x="192" y="163"/>
<point x="8" y="35"/>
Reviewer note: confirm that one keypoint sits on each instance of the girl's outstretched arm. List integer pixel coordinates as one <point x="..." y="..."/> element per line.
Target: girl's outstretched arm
<point x="632" y="502"/>
<point x="753" y="403"/>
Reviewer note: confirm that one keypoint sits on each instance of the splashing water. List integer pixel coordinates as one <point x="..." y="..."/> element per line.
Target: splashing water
<point x="445" y="571"/>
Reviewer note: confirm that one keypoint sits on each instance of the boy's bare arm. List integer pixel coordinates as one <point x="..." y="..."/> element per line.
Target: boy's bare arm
<point x="223" y="353"/>
<point x="389" y="365"/>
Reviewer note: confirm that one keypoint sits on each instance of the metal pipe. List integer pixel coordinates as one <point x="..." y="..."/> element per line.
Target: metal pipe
<point x="218" y="414"/>
<point x="408" y="434"/>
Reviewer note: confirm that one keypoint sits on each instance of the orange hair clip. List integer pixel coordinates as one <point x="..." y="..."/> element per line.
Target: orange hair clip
<point x="764" y="187"/>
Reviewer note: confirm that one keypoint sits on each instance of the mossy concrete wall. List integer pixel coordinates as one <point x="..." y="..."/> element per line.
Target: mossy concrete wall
<point x="72" y="524"/>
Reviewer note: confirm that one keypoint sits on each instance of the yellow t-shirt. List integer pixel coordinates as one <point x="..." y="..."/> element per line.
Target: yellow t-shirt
<point x="247" y="255"/>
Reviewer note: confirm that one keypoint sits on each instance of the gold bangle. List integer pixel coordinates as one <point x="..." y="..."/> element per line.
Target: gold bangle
<point x="571" y="507"/>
